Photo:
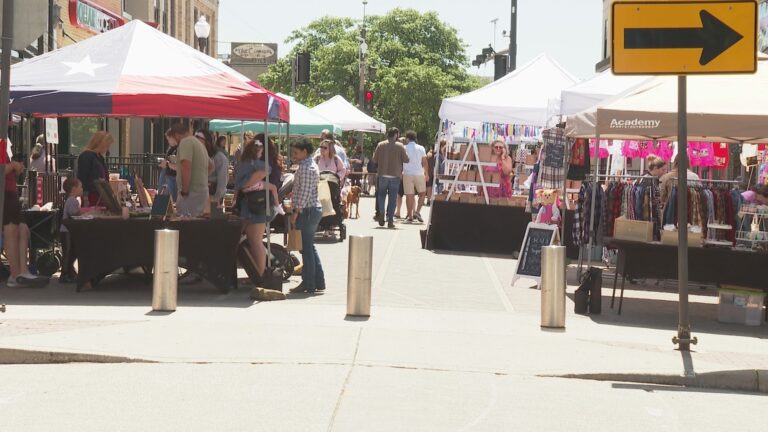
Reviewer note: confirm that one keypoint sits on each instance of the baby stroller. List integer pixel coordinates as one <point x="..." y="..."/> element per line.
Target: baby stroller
<point x="43" y="241"/>
<point x="334" y="222"/>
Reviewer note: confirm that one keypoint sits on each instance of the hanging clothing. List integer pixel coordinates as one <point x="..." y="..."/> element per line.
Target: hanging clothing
<point x="579" y="165"/>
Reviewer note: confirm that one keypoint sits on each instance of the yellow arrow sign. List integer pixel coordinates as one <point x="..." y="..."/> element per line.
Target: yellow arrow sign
<point x="684" y="37"/>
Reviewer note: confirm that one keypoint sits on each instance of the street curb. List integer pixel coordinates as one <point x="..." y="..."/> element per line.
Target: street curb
<point x="10" y="356"/>
<point x="749" y="380"/>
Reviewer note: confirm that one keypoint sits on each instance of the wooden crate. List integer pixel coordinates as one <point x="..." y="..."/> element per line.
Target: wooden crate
<point x="633" y="230"/>
<point x="670" y="238"/>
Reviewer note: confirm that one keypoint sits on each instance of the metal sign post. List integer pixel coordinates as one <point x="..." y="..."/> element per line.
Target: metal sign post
<point x="683" y="38"/>
<point x="684" y="325"/>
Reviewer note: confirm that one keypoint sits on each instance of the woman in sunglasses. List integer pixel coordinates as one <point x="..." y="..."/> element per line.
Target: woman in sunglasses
<point x="328" y="160"/>
<point x="503" y="165"/>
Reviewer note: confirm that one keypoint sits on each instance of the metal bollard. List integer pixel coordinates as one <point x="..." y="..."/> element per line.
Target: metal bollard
<point x="165" y="280"/>
<point x="359" y="276"/>
<point x="553" y="287"/>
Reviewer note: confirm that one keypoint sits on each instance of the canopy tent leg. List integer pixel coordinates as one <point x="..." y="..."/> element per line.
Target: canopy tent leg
<point x="592" y="230"/>
<point x="266" y="160"/>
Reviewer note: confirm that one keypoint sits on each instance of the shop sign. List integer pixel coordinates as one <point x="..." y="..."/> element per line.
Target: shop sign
<point x="253" y="53"/>
<point x="89" y="16"/>
<point x="684" y="37"/>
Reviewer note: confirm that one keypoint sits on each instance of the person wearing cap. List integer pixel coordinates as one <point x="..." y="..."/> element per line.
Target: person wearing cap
<point x="194" y="167"/>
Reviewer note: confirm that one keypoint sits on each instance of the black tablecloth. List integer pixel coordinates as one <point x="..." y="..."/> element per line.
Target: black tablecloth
<point x="206" y="247"/>
<point x="483" y="228"/>
<point x="722" y="266"/>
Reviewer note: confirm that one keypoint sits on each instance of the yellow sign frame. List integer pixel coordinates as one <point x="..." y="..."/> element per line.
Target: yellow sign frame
<point x="662" y="22"/>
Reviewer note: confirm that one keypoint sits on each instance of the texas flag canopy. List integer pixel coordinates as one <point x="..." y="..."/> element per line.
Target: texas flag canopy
<point x="138" y="71"/>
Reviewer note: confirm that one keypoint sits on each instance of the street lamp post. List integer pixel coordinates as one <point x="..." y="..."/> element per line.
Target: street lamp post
<point x="202" y="31"/>
<point x="363" y="52"/>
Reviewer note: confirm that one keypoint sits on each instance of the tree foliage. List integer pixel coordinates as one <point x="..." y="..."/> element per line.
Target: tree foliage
<point x="419" y="61"/>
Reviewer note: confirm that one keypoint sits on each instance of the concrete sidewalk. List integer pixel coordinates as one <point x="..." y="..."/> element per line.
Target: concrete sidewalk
<point x="432" y="311"/>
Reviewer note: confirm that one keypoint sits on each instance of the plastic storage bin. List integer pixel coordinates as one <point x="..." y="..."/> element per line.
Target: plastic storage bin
<point x="741" y="306"/>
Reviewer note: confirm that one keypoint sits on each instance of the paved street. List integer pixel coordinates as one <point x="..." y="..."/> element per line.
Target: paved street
<point x="450" y="346"/>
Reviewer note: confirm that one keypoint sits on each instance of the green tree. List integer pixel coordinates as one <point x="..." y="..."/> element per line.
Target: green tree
<point x="419" y="60"/>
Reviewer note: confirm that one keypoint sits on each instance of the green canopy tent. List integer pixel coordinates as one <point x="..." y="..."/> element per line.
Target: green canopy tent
<point x="304" y="122"/>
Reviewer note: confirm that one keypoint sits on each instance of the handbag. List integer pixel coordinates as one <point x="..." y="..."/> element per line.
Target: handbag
<point x="324" y="196"/>
<point x="294" y="240"/>
<point x="256" y="202"/>
<point x="588" y="298"/>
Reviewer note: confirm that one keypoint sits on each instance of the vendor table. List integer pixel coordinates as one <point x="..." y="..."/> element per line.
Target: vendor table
<point x="484" y="228"/>
<point x="206" y="247"/>
<point x="722" y="266"/>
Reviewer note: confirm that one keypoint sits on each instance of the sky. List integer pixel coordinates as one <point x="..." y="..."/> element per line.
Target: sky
<point x="570" y="31"/>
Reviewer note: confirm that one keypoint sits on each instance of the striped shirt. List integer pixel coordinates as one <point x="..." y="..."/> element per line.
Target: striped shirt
<point x="305" y="185"/>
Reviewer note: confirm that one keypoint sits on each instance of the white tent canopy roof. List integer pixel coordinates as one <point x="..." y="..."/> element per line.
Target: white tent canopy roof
<point x="347" y="117"/>
<point x="720" y="108"/>
<point x="525" y="97"/>
<point x="591" y="92"/>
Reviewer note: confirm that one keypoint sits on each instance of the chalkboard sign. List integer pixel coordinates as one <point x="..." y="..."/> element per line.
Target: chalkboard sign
<point x="529" y="260"/>
<point x="554" y="148"/>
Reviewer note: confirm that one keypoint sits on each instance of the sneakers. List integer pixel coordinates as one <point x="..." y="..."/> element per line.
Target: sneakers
<point x="380" y="219"/>
<point x="409" y="220"/>
<point x="27" y="280"/>
<point x="418" y="217"/>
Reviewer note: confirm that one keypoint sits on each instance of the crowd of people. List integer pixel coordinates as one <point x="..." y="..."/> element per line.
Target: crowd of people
<point x="197" y="172"/>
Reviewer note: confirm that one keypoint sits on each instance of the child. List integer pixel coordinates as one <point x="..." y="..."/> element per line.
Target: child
<point x="74" y="189"/>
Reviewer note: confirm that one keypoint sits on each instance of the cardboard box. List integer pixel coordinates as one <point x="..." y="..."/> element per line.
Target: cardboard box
<point x="494" y="201"/>
<point x="441" y="197"/>
<point x="462" y="151"/>
<point x="485" y="152"/>
<point x="740" y="306"/>
<point x="633" y="230"/>
<point x="456" y="197"/>
<point x="493" y="177"/>
<point x="519" y="200"/>
<point x="670" y="238"/>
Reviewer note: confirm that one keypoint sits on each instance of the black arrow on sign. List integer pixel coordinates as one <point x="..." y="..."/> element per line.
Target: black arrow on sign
<point x="714" y="38"/>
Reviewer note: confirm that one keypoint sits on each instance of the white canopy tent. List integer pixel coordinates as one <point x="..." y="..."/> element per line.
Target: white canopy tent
<point x="721" y="108"/>
<point x="346" y="116"/>
<point x="591" y="92"/>
<point x="523" y="97"/>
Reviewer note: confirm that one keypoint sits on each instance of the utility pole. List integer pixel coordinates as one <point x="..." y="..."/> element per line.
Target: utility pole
<point x="494" y="21"/>
<point x="513" y="38"/>
<point x="5" y="72"/>
<point x="5" y="87"/>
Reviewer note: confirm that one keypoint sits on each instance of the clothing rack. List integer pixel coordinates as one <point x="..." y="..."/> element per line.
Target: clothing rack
<point x="714" y="181"/>
<point x="604" y="176"/>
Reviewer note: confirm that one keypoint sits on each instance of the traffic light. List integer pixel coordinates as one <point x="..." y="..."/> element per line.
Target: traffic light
<point x="369" y="96"/>
<point x="500" y="66"/>
<point x="302" y="68"/>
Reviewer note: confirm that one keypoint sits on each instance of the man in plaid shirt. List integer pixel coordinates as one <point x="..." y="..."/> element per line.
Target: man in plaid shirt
<point x="307" y="213"/>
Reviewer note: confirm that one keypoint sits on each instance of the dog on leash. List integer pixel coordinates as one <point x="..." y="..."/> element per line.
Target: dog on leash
<point x="353" y="199"/>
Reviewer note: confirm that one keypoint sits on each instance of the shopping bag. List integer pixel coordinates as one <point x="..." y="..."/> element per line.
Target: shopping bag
<point x="596" y="291"/>
<point x="324" y="195"/>
<point x="294" y="240"/>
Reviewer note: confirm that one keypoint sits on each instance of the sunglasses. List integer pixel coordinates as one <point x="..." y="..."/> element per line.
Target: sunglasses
<point x="498" y="147"/>
<point x="324" y="148"/>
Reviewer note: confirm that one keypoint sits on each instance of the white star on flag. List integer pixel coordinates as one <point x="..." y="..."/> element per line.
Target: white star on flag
<point x="84" y="66"/>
